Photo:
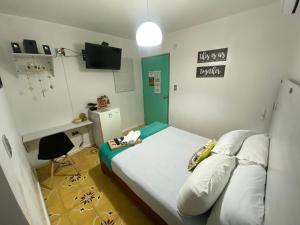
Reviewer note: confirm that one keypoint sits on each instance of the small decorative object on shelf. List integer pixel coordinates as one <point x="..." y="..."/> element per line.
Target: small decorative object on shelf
<point x="92" y="106"/>
<point x="81" y="118"/>
<point x="16" y="47"/>
<point x="30" y="46"/>
<point x="103" y="102"/>
<point x="47" y="49"/>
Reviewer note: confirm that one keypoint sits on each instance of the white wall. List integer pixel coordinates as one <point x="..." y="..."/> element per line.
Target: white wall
<point x="294" y="68"/>
<point x="260" y="44"/>
<point x="17" y="170"/>
<point x="85" y="85"/>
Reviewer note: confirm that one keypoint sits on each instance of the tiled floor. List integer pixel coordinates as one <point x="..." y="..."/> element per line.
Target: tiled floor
<point x="88" y="198"/>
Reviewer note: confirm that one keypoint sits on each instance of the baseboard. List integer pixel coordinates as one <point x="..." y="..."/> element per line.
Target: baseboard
<point x="41" y="197"/>
<point x="47" y="220"/>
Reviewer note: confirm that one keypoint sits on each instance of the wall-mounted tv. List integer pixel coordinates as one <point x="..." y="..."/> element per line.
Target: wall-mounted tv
<point x="102" y="57"/>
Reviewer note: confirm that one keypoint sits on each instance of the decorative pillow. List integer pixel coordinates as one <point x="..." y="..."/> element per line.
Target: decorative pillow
<point x="231" y="142"/>
<point x="255" y="150"/>
<point x="242" y="202"/>
<point x="201" y="154"/>
<point x="203" y="187"/>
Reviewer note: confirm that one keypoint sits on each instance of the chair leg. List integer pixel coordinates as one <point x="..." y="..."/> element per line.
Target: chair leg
<point x="73" y="163"/>
<point x="52" y="171"/>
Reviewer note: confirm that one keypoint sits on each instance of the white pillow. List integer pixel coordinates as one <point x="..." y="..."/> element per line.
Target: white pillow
<point x="203" y="187"/>
<point x="231" y="142"/>
<point x="242" y="202"/>
<point x="255" y="149"/>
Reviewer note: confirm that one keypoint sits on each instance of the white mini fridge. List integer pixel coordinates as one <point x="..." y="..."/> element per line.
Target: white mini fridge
<point x="107" y="124"/>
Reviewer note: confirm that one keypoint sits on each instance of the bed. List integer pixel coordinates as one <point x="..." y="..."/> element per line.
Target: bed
<point x="149" y="176"/>
<point x="153" y="172"/>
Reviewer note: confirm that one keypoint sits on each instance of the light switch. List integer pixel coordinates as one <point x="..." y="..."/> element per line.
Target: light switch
<point x="175" y="87"/>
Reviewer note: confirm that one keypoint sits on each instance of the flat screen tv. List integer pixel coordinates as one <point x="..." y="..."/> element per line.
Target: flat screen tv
<point x="102" y="57"/>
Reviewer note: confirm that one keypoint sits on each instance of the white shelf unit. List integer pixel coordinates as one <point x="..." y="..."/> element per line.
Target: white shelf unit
<point x="107" y="125"/>
<point x="53" y="130"/>
<point x="25" y="55"/>
<point x="21" y="60"/>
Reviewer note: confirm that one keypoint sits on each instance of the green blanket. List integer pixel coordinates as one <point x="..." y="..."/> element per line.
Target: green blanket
<point x="106" y="155"/>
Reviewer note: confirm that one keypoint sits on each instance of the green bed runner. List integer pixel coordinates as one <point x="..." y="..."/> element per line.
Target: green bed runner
<point x="106" y="155"/>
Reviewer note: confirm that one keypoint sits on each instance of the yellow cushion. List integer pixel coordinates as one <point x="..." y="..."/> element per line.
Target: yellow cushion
<point x="201" y="154"/>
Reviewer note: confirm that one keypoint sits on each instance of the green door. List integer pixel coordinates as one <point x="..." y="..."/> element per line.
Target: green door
<point x="156" y="73"/>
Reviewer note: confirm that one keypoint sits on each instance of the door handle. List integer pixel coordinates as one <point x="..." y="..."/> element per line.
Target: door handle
<point x="7" y="145"/>
<point x="166" y="97"/>
<point x="1" y="84"/>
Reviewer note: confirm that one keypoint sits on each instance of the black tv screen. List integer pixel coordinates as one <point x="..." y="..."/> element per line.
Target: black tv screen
<point x="102" y="57"/>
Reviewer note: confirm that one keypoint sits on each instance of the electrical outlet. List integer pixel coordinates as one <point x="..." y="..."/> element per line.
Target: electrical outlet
<point x="74" y="133"/>
<point x="60" y="52"/>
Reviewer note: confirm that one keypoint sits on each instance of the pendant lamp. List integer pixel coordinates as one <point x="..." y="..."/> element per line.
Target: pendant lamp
<point x="148" y="34"/>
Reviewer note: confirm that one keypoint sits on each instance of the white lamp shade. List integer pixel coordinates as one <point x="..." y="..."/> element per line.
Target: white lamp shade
<point x="148" y="34"/>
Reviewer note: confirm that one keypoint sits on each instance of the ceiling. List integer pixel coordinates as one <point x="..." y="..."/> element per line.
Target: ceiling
<point x="122" y="17"/>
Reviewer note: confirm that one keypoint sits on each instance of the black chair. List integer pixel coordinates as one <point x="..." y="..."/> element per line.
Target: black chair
<point x="56" y="146"/>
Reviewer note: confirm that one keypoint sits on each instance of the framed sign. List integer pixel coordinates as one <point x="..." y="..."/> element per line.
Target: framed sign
<point x="155" y="81"/>
<point x="215" y="55"/>
<point x="124" y="78"/>
<point x="210" y="71"/>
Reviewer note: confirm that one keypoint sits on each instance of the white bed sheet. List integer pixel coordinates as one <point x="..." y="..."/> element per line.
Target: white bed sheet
<point x="156" y="169"/>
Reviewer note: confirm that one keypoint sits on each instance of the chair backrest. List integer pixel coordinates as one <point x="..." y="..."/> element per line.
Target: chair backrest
<point x="54" y="146"/>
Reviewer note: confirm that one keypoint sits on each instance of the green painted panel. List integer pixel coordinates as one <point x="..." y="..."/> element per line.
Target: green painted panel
<point x="156" y="105"/>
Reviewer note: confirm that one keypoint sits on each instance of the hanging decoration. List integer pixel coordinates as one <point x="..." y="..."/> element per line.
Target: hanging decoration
<point x="34" y="69"/>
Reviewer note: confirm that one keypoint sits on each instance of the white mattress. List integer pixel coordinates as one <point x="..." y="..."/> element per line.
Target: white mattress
<point x="156" y="169"/>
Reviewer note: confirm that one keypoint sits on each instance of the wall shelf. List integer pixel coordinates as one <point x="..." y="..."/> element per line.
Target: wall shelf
<point x="21" y="61"/>
<point x="25" y="55"/>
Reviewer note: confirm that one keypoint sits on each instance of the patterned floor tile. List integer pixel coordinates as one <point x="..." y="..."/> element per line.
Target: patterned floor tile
<point x="83" y="217"/>
<point x="87" y="198"/>
<point x="54" y="204"/>
<point x="62" y="220"/>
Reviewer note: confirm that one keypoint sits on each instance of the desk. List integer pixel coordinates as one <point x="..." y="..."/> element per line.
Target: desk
<point x="53" y="130"/>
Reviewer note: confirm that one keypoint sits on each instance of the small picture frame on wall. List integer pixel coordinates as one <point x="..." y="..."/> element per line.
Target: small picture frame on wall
<point x="47" y="49"/>
<point x="210" y="71"/>
<point x="16" y="47"/>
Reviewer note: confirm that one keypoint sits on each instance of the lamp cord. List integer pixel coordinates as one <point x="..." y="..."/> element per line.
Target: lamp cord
<point x="148" y="17"/>
<point x="68" y="87"/>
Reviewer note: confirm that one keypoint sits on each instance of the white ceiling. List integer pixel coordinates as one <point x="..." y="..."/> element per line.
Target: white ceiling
<point x="122" y="17"/>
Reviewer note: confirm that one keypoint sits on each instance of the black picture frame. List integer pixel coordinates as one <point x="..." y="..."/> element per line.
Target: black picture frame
<point x="16" y="47"/>
<point x="210" y="71"/>
<point x="47" y="49"/>
<point x="215" y="55"/>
